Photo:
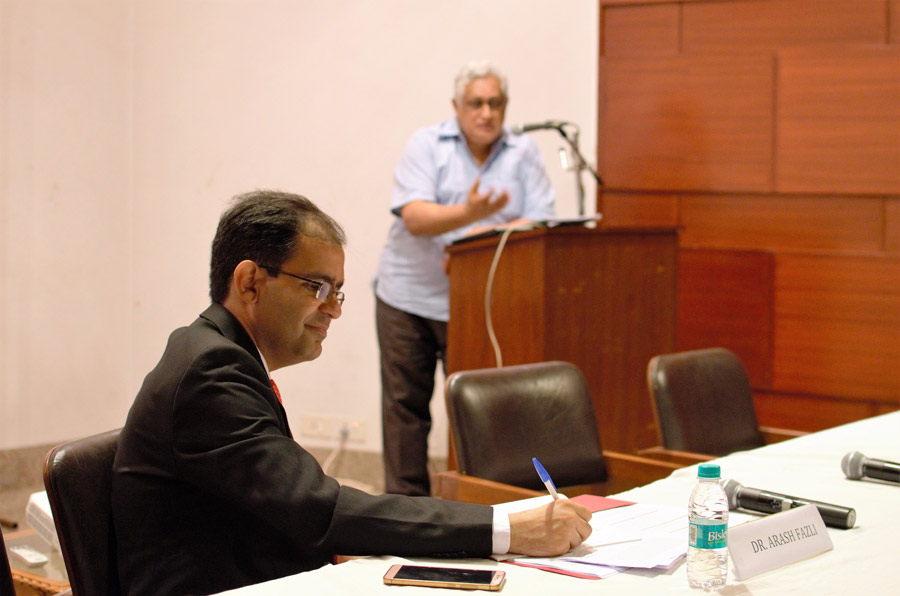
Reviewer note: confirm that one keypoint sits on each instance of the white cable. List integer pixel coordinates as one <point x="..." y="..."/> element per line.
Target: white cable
<point x="345" y="432"/>
<point x="342" y="442"/>
<point x="488" y="296"/>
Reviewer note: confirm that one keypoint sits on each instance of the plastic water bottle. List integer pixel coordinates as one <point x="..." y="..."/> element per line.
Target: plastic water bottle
<point x="707" y="554"/>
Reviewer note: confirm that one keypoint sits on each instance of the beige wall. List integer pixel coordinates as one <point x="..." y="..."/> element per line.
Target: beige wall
<point x="126" y="125"/>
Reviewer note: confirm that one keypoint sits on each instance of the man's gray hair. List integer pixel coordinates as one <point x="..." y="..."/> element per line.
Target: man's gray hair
<point x="477" y="69"/>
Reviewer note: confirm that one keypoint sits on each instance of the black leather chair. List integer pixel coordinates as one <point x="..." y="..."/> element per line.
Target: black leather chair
<point x="502" y="417"/>
<point x="703" y="405"/>
<point x="6" y="580"/>
<point x="78" y="479"/>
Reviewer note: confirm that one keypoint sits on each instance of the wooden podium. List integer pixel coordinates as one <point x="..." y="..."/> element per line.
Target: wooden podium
<point x="602" y="299"/>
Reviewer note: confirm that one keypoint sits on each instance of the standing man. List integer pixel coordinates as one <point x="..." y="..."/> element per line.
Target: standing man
<point x="453" y="179"/>
<point x="210" y="491"/>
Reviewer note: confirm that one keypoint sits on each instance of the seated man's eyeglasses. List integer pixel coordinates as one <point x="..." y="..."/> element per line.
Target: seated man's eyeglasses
<point x="324" y="291"/>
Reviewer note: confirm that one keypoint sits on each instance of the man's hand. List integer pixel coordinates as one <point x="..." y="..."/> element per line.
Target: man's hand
<point x="549" y="531"/>
<point x="480" y="205"/>
<point x="426" y="218"/>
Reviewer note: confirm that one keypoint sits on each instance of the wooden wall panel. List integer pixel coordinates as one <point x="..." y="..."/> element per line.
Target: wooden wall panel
<point x="754" y="25"/>
<point x="892" y="225"/>
<point x="725" y="299"/>
<point x="812" y="413"/>
<point x="639" y="209"/>
<point x="783" y="222"/>
<point x="640" y="30"/>
<point x="894" y="22"/>
<point x="702" y="122"/>
<point x="837" y="326"/>
<point x="838" y="120"/>
<point x="772" y="138"/>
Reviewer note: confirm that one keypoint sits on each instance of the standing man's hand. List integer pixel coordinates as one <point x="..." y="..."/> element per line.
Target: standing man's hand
<point x="480" y="205"/>
<point x="549" y="531"/>
<point x="425" y="218"/>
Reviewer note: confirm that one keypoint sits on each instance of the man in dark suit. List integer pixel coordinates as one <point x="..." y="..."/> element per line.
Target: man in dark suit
<point x="211" y="492"/>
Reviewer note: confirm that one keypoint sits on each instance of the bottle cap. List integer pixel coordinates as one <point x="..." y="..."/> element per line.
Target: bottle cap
<point x="708" y="471"/>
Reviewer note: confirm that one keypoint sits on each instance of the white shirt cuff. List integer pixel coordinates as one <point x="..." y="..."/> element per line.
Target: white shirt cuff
<point x="501" y="533"/>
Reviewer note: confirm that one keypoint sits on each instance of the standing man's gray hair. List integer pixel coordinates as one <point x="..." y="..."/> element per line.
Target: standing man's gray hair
<point x="477" y="69"/>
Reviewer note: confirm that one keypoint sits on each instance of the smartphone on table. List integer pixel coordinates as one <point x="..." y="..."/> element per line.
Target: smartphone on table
<point x="445" y="577"/>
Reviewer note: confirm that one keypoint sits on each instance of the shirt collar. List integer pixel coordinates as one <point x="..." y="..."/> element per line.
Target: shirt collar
<point x="265" y="364"/>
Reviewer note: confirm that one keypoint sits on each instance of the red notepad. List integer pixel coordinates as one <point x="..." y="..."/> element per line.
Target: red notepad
<point x="553" y="570"/>
<point x="595" y="503"/>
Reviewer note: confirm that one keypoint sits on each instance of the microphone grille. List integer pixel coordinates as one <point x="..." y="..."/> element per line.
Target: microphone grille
<point x="517" y="129"/>
<point x="731" y="486"/>
<point x="852" y="465"/>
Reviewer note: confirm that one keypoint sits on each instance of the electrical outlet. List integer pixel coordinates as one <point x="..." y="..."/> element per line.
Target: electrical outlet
<point x="356" y="431"/>
<point x="322" y="427"/>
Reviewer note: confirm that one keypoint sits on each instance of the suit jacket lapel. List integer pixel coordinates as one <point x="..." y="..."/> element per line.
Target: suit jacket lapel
<point x="230" y="328"/>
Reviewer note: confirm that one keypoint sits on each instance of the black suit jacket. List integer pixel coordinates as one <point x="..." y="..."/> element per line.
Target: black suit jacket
<point x="211" y="492"/>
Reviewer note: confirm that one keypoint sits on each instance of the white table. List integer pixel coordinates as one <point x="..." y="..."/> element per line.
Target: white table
<point x="864" y="560"/>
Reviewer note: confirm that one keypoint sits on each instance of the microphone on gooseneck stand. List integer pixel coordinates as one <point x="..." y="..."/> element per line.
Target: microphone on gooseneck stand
<point x="762" y="501"/>
<point x="518" y="129"/>
<point x="855" y="465"/>
<point x="569" y="131"/>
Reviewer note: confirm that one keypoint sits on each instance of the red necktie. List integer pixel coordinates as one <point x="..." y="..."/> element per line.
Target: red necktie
<point x="277" y="392"/>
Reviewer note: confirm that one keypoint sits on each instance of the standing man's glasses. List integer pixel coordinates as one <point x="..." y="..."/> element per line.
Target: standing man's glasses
<point x="324" y="291"/>
<point x="494" y="103"/>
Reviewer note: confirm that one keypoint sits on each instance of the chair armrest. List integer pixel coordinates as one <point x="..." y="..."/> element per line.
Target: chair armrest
<point x="625" y="472"/>
<point x="687" y="458"/>
<point x="776" y="435"/>
<point x="454" y="486"/>
<point x="683" y="458"/>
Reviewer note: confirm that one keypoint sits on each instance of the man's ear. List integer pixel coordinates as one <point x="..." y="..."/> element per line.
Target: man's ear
<point x="246" y="281"/>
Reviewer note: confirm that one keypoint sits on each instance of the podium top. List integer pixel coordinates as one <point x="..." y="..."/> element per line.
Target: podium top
<point x="588" y="221"/>
<point x="562" y="227"/>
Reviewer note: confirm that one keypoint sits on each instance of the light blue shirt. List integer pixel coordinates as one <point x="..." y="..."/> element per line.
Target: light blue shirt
<point x="437" y="166"/>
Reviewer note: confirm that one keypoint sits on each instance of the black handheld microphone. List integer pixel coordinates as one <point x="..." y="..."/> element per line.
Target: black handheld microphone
<point x="856" y="465"/>
<point x="518" y="129"/>
<point x="762" y="501"/>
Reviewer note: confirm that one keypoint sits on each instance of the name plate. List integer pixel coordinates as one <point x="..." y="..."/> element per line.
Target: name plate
<point x="777" y="540"/>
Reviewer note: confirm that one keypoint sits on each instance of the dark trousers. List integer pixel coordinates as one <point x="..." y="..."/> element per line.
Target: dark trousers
<point x="410" y="348"/>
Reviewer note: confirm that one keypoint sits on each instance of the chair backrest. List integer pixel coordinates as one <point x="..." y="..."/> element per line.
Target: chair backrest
<point x="78" y="479"/>
<point x="502" y="417"/>
<point x="6" y="581"/>
<point x="702" y="402"/>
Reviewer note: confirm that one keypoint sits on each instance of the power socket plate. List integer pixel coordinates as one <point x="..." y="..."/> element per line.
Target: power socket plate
<point x="324" y="427"/>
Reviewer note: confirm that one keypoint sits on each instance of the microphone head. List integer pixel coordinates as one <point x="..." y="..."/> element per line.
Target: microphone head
<point x="852" y="465"/>
<point x="517" y="129"/>
<point x="731" y="488"/>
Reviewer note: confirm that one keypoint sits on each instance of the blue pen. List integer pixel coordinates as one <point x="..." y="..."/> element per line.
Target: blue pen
<point x="545" y="478"/>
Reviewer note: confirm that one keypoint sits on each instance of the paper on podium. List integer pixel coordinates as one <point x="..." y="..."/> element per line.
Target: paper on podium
<point x="589" y="221"/>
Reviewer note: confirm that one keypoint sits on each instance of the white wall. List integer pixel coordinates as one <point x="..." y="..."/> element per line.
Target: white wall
<point x="127" y="125"/>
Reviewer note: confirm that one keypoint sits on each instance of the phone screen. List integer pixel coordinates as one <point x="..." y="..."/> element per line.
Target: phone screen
<point x="445" y="577"/>
<point x="445" y="574"/>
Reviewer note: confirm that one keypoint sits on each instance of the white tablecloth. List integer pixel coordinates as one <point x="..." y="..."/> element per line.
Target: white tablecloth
<point x="865" y="559"/>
